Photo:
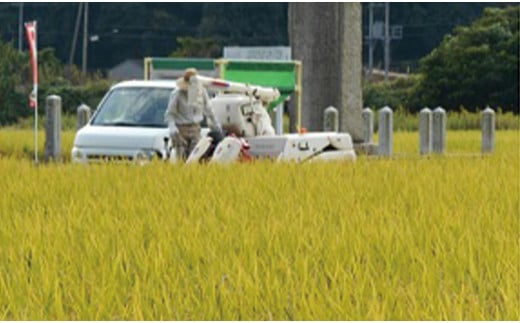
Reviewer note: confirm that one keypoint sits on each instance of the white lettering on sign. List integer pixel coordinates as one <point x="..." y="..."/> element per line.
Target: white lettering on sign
<point x="278" y="53"/>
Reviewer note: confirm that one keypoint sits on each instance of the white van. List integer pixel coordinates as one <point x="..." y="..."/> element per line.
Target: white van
<point x="128" y="124"/>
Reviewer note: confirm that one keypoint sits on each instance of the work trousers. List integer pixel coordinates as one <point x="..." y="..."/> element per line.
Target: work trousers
<point x="189" y="136"/>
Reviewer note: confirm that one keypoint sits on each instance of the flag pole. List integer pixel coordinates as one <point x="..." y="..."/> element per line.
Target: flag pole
<point x="33" y="97"/>
<point x="36" y="94"/>
<point x="36" y="126"/>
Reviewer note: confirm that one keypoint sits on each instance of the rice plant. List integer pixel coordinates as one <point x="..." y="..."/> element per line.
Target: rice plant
<point x="402" y="238"/>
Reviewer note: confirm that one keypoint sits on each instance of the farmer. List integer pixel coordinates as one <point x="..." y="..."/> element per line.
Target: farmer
<point x="186" y="107"/>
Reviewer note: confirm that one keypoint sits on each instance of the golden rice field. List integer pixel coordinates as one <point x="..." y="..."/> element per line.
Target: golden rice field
<point x="405" y="238"/>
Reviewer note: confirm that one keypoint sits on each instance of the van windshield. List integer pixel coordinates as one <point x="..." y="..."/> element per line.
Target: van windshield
<point x="134" y="107"/>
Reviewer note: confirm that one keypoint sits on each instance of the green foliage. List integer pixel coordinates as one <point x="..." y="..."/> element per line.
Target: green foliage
<point x="136" y="30"/>
<point x="72" y="85"/>
<point x="197" y="47"/>
<point x="396" y="93"/>
<point x="477" y="66"/>
<point x="14" y="89"/>
<point x="52" y="73"/>
<point x="72" y="96"/>
<point x="465" y="120"/>
<point x="424" y="26"/>
<point x="403" y="120"/>
<point x="50" y="68"/>
<point x="69" y="122"/>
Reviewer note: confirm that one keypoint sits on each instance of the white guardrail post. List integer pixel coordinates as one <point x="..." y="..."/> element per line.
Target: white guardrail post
<point x="368" y="125"/>
<point x="488" y="130"/>
<point x="331" y="119"/>
<point x="53" y="128"/>
<point x="385" y="132"/>
<point x="439" y="131"/>
<point x="84" y="114"/>
<point x="425" y="131"/>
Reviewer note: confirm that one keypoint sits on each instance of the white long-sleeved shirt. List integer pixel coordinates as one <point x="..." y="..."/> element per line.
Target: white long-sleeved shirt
<point x="180" y="111"/>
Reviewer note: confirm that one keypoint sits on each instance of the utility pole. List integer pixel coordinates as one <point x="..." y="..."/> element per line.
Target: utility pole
<point x="329" y="32"/>
<point x="85" y="39"/>
<point x="380" y="30"/>
<point x="370" y="39"/>
<point x="20" y="26"/>
<point x="387" y="39"/>
<point x="75" y="37"/>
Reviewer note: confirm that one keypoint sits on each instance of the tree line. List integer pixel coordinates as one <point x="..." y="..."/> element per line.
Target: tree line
<point x="134" y="30"/>
<point x="473" y="66"/>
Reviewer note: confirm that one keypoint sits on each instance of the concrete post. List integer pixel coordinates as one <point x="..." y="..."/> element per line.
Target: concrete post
<point x="425" y="131"/>
<point x="327" y="38"/>
<point x="368" y="125"/>
<point x="488" y="130"/>
<point x="53" y="128"/>
<point x="279" y="119"/>
<point x="84" y="113"/>
<point x="385" y="132"/>
<point x="439" y="131"/>
<point x="330" y="119"/>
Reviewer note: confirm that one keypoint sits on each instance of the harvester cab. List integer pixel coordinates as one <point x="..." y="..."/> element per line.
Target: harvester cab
<point x="240" y="108"/>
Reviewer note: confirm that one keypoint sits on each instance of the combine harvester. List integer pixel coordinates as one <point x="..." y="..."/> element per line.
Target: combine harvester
<point x="241" y="109"/>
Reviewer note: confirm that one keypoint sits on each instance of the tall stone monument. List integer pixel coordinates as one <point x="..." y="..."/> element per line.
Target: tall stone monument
<point x="326" y="38"/>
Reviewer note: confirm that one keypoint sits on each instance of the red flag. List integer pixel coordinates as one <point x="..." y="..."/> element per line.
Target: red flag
<point x="30" y="28"/>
